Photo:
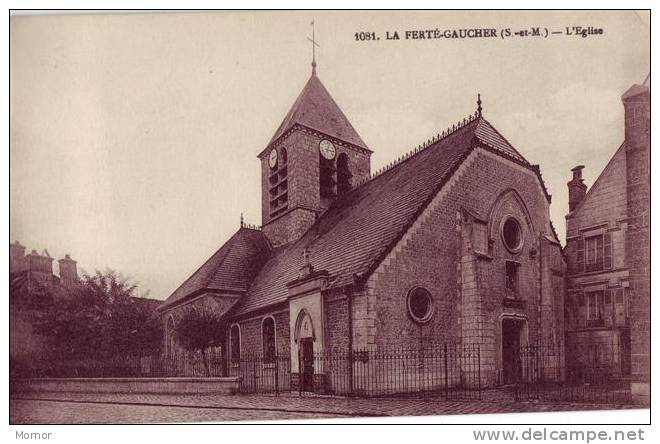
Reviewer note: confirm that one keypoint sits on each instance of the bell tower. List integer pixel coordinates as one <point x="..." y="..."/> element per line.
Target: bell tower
<point x="314" y="157"/>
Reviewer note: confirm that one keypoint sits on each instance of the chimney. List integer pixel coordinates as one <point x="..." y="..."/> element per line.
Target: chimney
<point x="637" y="111"/>
<point x="576" y="188"/>
<point x="16" y="257"/>
<point x="68" y="270"/>
<point x="40" y="264"/>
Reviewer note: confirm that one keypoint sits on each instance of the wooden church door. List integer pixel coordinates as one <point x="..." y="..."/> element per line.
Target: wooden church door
<point x="307" y="364"/>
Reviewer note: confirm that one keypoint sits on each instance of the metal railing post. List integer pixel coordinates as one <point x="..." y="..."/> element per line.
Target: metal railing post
<point x="351" y="387"/>
<point x="446" y="372"/>
<point x="277" y="375"/>
<point x="479" y="371"/>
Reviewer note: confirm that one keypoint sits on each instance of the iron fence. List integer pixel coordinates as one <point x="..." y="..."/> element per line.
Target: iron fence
<point x="591" y="373"/>
<point x="453" y="371"/>
<point x="588" y="373"/>
<point x="259" y="374"/>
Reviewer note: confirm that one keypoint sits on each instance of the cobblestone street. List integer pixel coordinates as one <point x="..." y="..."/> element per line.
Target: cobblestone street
<point x="53" y="408"/>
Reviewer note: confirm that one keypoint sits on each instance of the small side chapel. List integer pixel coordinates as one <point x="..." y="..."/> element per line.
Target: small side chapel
<point x="450" y="243"/>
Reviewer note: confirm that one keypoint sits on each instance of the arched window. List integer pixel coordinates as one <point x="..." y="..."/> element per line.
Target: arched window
<point x="283" y="156"/>
<point x="169" y="337"/>
<point x="420" y="304"/>
<point x="327" y="169"/>
<point x="268" y="339"/>
<point x="343" y="174"/>
<point x="235" y="344"/>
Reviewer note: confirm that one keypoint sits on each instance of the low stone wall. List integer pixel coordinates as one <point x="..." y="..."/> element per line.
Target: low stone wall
<point x="189" y="386"/>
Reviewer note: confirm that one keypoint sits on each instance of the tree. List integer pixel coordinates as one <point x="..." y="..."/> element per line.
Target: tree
<point x="101" y="318"/>
<point x="198" y="330"/>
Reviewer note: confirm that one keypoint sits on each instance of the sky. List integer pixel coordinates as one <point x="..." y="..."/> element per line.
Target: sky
<point x="133" y="138"/>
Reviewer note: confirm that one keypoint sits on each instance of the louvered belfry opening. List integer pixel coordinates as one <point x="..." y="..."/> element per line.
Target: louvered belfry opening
<point x="343" y="174"/>
<point x="278" y="180"/>
<point x="327" y="177"/>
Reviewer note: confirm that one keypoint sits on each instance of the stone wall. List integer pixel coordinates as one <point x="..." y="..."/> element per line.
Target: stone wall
<point x="251" y="334"/>
<point x="464" y="266"/>
<point x="304" y="200"/>
<point x="637" y="105"/>
<point x="188" y="386"/>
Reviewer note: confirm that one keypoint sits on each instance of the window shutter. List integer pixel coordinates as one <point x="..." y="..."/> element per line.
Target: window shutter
<point x="608" y="314"/>
<point x="579" y="263"/>
<point x="607" y="251"/>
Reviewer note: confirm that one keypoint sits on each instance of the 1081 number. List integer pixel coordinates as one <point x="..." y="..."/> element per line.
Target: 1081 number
<point x="365" y="36"/>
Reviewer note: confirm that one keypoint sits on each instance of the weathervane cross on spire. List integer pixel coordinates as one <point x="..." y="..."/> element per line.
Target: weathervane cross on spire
<point x="314" y="45"/>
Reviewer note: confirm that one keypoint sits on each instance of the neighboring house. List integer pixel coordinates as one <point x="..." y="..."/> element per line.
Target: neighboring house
<point x="608" y="256"/>
<point x="33" y="290"/>
<point x="451" y="243"/>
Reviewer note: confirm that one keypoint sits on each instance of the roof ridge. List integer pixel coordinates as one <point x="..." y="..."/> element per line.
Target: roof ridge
<point x="597" y="180"/>
<point x="505" y="139"/>
<point x="388" y="248"/>
<point x="206" y="281"/>
<point x="315" y="101"/>
<point x="421" y="147"/>
<point x="232" y="244"/>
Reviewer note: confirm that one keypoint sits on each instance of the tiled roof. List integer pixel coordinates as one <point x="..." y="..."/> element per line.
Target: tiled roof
<point x="231" y="268"/>
<point x="353" y="235"/>
<point x="487" y="134"/>
<point x="358" y="230"/>
<point x="317" y="110"/>
<point x="635" y="90"/>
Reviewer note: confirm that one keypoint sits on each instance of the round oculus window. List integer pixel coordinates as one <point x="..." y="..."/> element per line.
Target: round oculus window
<point x="420" y="304"/>
<point x="512" y="234"/>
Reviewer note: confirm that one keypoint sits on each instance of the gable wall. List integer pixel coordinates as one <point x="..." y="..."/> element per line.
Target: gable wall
<point x="430" y="255"/>
<point x="603" y="211"/>
<point x="605" y="203"/>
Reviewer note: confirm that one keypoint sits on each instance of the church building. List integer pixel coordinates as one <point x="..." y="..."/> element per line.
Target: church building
<point x="450" y="243"/>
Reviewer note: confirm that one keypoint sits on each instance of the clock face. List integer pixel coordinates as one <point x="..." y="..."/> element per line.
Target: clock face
<point x="272" y="158"/>
<point x="327" y="149"/>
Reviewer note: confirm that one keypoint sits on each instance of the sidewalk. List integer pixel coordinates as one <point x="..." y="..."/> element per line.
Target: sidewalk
<point x="287" y="404"/>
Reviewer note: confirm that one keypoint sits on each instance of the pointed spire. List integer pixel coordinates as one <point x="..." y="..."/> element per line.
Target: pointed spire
<point x="314" y="45"/>
<point x="242" y="224"/>
<point x="479" y="109"/>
